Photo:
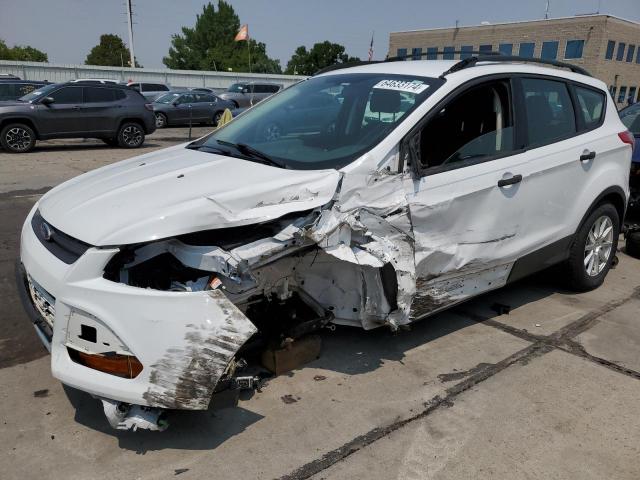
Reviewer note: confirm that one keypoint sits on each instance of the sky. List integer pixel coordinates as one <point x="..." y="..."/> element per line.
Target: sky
<point x="67" y="29"/>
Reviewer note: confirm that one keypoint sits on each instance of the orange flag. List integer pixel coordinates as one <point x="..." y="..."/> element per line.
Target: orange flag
<point x="243" y="33"/>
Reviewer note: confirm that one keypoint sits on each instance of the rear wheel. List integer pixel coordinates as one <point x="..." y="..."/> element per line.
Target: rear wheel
<point x="216" y="118"/>
<point x="17" y="138"/>
<point x="594" y="249"/>
<point x="130" y="135"/>
<point x="161" y="120"/>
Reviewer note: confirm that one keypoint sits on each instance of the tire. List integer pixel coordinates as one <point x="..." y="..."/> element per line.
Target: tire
<point x="594" y="249"/>
<point x="235" y="104"/>
<point x="633" y="244"/>
<point x="112" y="142"/>
<point x="17" y="138"/>
<point x="216" y="118"/>
<point x="130" y="135"/>
<point x="161" y="120"/>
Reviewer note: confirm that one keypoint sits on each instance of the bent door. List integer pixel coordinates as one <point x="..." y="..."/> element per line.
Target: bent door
<point x="467" y="197"/>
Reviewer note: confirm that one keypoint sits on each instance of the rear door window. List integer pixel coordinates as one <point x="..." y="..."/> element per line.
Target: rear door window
<point x="590" y="107"/>
<point x="98" y="95"/>
<point x="549" y="111"/>
<point x="67" y="95"/>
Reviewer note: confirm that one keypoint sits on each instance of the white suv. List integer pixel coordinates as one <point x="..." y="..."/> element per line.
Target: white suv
<point x="392" y="191"/>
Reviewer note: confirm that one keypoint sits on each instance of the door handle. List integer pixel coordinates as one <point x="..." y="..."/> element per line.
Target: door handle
<point x="587" y="155"/>
<point x="510" y="181"/>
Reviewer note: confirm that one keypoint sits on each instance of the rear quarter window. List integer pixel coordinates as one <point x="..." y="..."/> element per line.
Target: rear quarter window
<point x="590" y="107"/>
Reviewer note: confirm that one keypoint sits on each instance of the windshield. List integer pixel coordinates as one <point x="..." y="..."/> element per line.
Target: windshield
<point x="236" y="87"/>
<point x="630" y="116"/>
<point x="30" y="97"/>
<point x="327" y="121"/>
<point x="167" y="98"/>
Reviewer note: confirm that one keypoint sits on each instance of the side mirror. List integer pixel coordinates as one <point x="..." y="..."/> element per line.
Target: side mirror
<point x="47" y="100"/>
<point x="245" y="90"/>
<point x="175" y="103"/>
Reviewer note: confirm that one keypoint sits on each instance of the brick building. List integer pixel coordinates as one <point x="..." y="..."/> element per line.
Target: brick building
<point x="608" y="47"/>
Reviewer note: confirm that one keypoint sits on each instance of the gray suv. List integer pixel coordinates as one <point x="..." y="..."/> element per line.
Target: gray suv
<point x="249" y="93"/>
<point x="116" y="114"/>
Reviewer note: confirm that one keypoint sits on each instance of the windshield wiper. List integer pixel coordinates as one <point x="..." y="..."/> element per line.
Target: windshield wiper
<point x="248" y="150"/>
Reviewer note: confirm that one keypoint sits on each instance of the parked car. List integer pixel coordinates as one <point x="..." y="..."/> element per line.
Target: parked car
<point x="430" y="182"/>
<point x="630" y="117"/>
<point x="14" y="89"/>
<point x="114" y="113"/>
<point x="183" y="108"/>
<point x="214" y="91"/>
<point x="151" y="91"/>
<point x="249" y="93"/>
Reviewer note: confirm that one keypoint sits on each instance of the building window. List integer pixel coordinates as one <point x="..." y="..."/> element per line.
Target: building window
<point x="486" y="48"/>
<point x="465" y="51"/>
<point x="622" y="94"/>
<point x="632" y="95"/>
<point x="630" y="52"/>
<point x="448" y="53"/>
<point x="549" y="50"/>
<point x="620" y="54"/>
<point x="574" y="49"/>
<point x="506" y="48"/>
<point x="613" y="89"/>
<point x="402" y="53"/>
<point x="432" y="53"/>
<point x="638" y="56"/>
<point x="526" y="49"/>
<point x="611" y="46"/>
<point x="416" y="53"/>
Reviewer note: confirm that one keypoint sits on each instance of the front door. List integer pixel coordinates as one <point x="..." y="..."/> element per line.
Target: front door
<point x="64" y="116"/>
<point x="467" y="196"/>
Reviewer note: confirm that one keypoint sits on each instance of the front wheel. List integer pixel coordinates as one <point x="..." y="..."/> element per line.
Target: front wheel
<point x="594" y="249"/>
<point x="130" y="135"/>
<point x="17" y="138"/>
<point x="161" y="120"/>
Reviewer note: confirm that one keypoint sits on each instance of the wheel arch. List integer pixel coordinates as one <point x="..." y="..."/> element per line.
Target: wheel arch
<point x="614" y="195"/>
<point x="26" y="120"/>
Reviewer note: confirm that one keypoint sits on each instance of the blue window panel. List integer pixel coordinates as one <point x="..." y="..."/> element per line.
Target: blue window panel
<point x="486" y="48"/>
<point x="613" y="89"/>
<point x="465" y="51"/>
<point x="632" y="95"/>
<point x="526" y="49"/>
<point x="506" y="48"/>
<point x="448" y="53"/>
<point x="622" y="94"/>
<point x="574" y="49"/>
<point x="549" y="50"/>
<point x="402" y="53"/>
<point x="611" y="46"/>
<point x="620" y="54"/>
<point x="630" y="51"/>
<point x="416" y="54"/>
<point x="432" y="53"/>
<point x="638" y="56"/>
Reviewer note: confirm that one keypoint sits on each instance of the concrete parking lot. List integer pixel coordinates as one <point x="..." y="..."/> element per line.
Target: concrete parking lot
<point x="548" y="390"/>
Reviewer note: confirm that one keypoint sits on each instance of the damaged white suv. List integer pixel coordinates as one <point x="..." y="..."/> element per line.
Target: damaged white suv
<point x="366" y="196"/>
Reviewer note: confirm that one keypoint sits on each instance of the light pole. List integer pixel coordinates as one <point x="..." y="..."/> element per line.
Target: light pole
<point x="132" y="57"/>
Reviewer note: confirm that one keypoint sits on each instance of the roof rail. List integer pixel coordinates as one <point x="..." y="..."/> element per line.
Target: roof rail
<point x="339" y="66"/>
<point x="472" y="61"/>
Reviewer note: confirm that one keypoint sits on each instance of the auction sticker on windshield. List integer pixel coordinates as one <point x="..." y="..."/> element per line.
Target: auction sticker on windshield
<point x="415" y="86"/>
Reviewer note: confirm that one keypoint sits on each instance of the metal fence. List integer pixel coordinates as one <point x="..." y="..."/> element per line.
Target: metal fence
<point x="176" y="78"/>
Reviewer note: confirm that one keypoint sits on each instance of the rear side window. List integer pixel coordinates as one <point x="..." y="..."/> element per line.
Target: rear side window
<point x="98" y="95"/>
<point x="590" y="107"/>
<point x="549" y="111"/>
<point x="24" y="88"/>
<point x="67" y="95"/>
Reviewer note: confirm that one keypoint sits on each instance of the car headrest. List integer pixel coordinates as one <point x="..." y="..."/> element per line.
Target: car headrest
<point x="385" y="101"/>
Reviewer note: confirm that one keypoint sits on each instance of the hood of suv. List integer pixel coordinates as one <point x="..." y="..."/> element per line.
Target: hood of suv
<point x="176" y="191"/>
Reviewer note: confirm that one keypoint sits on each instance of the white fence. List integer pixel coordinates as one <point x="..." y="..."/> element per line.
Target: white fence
<point x="176" y="78"/>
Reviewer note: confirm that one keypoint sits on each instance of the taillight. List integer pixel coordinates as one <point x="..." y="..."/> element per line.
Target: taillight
<point x="148" y="106"/>
<point x="627" y="138"/>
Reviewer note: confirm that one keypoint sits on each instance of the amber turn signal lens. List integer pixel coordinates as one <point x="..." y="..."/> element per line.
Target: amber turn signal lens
<point x="126" y="366"/>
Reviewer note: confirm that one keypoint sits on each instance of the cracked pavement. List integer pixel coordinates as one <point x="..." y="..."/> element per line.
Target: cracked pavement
<point x="548" y="390"/>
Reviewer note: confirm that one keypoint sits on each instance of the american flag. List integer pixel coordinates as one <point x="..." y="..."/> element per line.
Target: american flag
<point x="371" y="48"/>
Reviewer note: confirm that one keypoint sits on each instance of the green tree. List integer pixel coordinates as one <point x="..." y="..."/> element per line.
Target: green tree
<point x="321" y="55"/>
<point x="110" y="52"/>
<point x="23" y="53"/>
<point x="210" y="45"/>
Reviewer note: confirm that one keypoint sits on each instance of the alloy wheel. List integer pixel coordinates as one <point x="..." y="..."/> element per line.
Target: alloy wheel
<point x="598" y="247"/>
<point x="132" y="135"/>
<point x="160" y="120"/>
<point x="18" y="139"/>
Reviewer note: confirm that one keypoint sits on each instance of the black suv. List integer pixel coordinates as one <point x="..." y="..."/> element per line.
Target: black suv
<point x="114" y="113"/>
<point x="13" y="88"/>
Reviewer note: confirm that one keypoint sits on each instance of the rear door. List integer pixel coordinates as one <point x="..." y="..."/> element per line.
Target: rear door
<point x="64" y="115"/>
<point x="467" y="195"/>
<point x="204" y="107"/>
<point x="100" y="109"/>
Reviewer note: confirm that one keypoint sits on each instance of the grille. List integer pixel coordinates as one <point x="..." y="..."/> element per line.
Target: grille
<point x="64" y="247"/>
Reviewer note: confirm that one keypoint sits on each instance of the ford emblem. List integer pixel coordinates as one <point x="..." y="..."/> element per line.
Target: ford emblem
<point x="46" y="231"/>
